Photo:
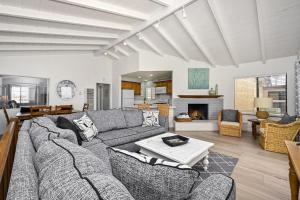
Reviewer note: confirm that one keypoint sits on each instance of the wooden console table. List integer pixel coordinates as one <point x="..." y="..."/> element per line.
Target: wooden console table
<point x="255" y="124"/>
<point x="294" y="171"/>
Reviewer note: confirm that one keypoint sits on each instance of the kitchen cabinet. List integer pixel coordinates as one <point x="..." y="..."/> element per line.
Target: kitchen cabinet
<point x="127" y="85"/>
<point x="167" y="84"/>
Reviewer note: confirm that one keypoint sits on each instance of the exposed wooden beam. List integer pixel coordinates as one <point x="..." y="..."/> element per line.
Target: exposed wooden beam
<point x="43" y="40"/>
<point x="106" y="7"/>
<point x="132" y="46"/>
<point x="171" y="42"/>
<point x="150" y="44"/>
<point x="29" y="29"/>
<point x="157" y="16"/>
<point x="113" y="55"/>
<point x="7" y="47"/>
<point x="122" y="51"/>
<point x="162" y="2"/>
<point x="218" y="21"/>
<point x="59" y="18"/>
<point x="261" y="31"/>
<point x="193" y="35"/>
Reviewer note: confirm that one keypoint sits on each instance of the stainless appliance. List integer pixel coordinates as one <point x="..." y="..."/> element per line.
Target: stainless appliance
<point x="127" y="98"/>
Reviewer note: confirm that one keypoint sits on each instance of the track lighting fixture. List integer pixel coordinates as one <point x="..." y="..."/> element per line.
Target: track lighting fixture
<point x="183" y="12"/>
<point x="157" y="24"/>
<point x="140" y="36"/>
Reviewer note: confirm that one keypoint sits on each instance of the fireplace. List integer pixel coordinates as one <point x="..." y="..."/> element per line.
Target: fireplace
<point x="198" y="111"/>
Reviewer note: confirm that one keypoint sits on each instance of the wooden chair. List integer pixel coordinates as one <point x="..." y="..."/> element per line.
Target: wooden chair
<point x="273" y="135"/>
<point x="6" y="115"/>
<point x="36" y="111"/>
<point x="230" y="128"/>
<point x="63" y="109"/>
<point x="85" y="107"/>
<point x="163" y="109"/>
<point x="144" y="106"/>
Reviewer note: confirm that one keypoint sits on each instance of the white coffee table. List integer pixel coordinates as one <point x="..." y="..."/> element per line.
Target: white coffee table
<point x="188" y="154"/>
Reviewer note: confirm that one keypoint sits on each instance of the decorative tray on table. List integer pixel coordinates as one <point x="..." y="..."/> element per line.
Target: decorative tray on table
<point x="175" y="140"/>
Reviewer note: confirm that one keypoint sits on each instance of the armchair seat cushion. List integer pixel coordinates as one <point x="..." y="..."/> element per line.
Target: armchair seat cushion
<point x="226" y="123"/>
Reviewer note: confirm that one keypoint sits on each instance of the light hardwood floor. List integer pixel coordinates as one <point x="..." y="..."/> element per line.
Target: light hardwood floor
<point x="259" y="174"/>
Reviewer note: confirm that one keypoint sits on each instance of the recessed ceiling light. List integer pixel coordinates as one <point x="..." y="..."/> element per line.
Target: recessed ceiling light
<point x="140" y="77"/>
<point x="105" y="53"/>
<point x="145" y="80"/>
<point x="157" y="24"/>
<point x="125" y="43"/>
<point x="151" y="75"/>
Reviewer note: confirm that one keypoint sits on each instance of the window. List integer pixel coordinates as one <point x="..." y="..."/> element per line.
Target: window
<point x="150" y="93"/>
<point x="20" y="94"/>
<point x="272" y="86"/>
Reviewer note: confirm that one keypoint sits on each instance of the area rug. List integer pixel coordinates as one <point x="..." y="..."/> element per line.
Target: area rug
<point x="218" y="164"/>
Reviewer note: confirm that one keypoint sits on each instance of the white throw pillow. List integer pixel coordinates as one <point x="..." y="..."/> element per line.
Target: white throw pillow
<point x="87" y="127"/>
<point x="150" y="118"/>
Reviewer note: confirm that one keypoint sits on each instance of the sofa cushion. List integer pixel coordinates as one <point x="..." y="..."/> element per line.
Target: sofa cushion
<point x="230" y="115"/>
<point x="43" y="129"/>
<point x="23" y="181"/>
<point x="230" y="123"/>
<point x="286" y="119"/>
<point x="64" y="123"/>
<point x="133" y="117"/>
<point x="150" y="178"/>
<point x="68" y="171"/>
<point x="97" y="147"/>
<point x="70" y="117"/>
<point x="87" y="127"/>
<point x="124" y="136"/>
<point x="106" y="120"/>
<point x="216" y="187"/>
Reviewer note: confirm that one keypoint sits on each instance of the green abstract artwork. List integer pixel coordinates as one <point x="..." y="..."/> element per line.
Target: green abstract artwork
<point x="198" y="78"/>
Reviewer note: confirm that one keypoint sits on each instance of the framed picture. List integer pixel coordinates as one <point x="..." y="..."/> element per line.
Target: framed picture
<point x="198" y="78"/>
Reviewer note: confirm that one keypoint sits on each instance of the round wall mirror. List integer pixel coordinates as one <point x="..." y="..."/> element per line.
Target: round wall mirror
<point x="66" y="89"/>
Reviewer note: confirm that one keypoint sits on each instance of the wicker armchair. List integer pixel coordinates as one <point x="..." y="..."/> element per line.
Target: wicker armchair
<point x="273" y="135"/>
<point x="230" y="128"/>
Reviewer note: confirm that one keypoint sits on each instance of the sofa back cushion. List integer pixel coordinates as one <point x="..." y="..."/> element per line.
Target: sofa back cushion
<point x="68" y="171"/>
<point x="106" y="120"/>
<point x="64" y="123"/>
<point x="133" y="118"/>
<point x="43" y="129"/>
<point x="70" y="117"/>
<point x="150" y="178"/>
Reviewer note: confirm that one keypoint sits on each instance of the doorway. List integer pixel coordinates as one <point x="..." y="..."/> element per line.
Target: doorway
<point x="103" y="96"/>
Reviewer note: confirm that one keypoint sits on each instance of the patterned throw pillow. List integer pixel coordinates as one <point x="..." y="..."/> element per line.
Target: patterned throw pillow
<point x="87" y="127"/>
<point x="151" y="118"/>
<point x="150" y="178"/>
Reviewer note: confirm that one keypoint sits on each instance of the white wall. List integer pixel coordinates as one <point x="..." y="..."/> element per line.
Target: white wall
<point x="84" y="69"/>
<point x="224" y="76"/>
<point x="120" y="67"/>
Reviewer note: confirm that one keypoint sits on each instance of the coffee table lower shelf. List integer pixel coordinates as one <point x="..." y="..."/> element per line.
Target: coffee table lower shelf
<point x="203" y="156"/>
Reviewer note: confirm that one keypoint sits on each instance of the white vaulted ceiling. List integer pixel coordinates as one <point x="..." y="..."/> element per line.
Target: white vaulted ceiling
<point x="219" y="32"/>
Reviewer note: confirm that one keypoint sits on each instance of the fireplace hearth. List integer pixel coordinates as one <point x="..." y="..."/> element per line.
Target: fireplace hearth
<point x="198" y="111"/>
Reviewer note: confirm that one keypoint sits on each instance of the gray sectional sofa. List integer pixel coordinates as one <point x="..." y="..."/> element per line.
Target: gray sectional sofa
<point x="117" y="128"/>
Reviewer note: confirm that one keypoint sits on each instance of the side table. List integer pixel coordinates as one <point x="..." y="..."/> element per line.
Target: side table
<point x="255" y="123"/>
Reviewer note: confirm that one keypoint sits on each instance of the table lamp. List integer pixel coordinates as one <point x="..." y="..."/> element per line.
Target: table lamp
<point x="263" y="103"/>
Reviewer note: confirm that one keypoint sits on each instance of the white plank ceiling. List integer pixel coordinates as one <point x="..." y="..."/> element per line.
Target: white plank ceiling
<point x="219" y="32"/>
